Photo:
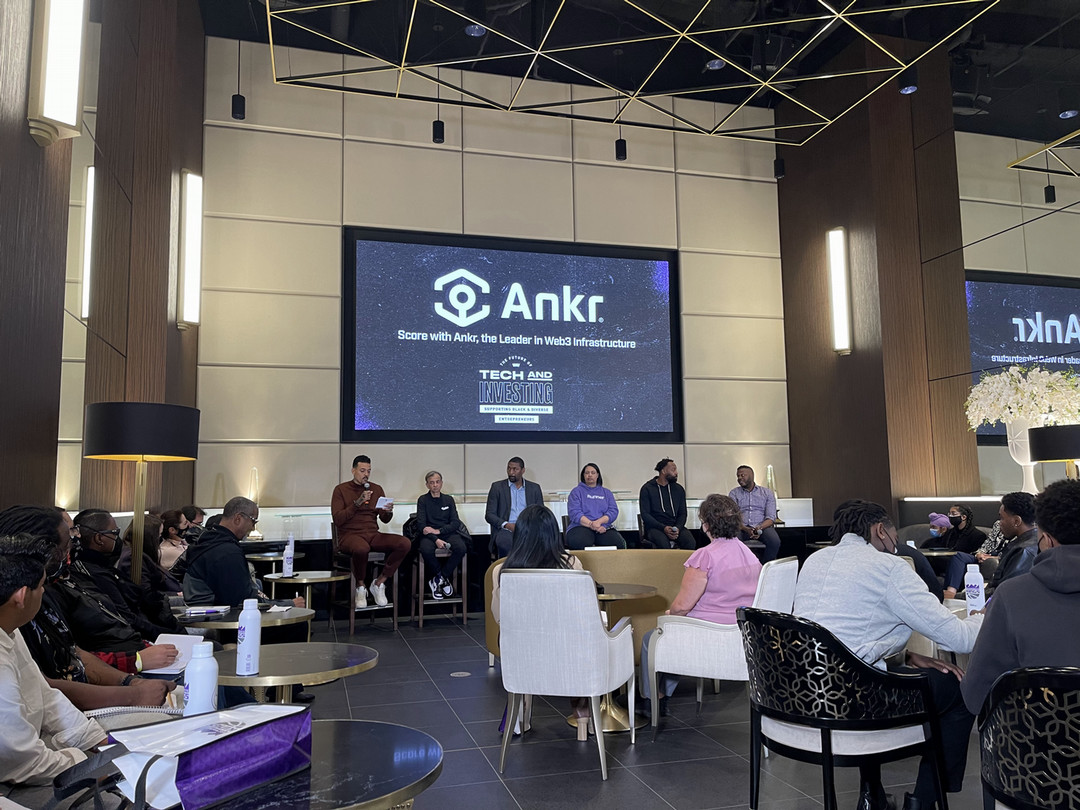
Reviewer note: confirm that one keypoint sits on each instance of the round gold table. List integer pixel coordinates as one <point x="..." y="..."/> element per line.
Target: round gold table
<point x="307" y="579"/>
<point x="308" y="663"/>
<point x="231" y="620"/>
<point x="272" y="557"/>
<point x="614" y="717"/>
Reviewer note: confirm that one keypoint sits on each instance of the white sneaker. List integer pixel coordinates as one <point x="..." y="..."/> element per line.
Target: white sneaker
<point x="378" y="592"/>
<point x="444" y="584"/>
<point x="361" y="597"/>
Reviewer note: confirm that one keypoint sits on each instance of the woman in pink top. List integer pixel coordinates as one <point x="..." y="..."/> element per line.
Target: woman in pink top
<point x="719" y="579"/>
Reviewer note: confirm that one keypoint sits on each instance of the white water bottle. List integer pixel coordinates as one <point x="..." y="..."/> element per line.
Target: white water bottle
<point x="290" y="551"/>
<point x="973" y="589"/>
<point x="248" y="639"/>
<point x="200" y="680"/>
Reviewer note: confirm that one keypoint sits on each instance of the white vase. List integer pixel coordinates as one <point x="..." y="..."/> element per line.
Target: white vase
<point x="1017" y="432"/>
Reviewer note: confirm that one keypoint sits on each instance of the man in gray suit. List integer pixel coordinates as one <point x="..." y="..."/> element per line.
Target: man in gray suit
<point x="505" y="501"/>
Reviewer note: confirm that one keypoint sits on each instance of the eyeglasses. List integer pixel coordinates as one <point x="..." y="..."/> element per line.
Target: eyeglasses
<point x="113" y="533"/>
<point x="254" y="521"/>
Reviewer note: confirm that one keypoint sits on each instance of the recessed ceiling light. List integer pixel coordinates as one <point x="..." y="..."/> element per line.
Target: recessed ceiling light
<point x="475" y="30"/>
<point x="715" y="64"/>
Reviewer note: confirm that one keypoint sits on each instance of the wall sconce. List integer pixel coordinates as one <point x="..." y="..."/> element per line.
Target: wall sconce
<point x="191" y="222"/>
<point x="55" y="105"/>
<point x="88" y="242"/>
<point x="839" y="302"/>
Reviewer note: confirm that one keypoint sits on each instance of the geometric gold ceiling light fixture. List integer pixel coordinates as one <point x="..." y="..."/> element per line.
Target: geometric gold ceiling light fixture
<point x="652" y="58"/>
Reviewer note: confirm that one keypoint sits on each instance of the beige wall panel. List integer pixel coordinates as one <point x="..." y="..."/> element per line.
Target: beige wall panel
<point x="73" y="265"/>
<point x="522" y="198"/>
<point x="1052" y="243"/>
<point x="289" y="474"/>
<point x="394" y="120"/>
<point x="982" y="167"/>
<point x="624" y="206"/>
<point x="72" y="378"/>
<point x="553" y="466"/>
<point x="68" y="475"/>
<point x="265" y="174"/>
<point x="277" y="106"/>
<point x="510" y="133"/>
<point x="271" y="256"/>
<point x="727" y="215"/>
<point x="627" y="466"/>
<point x="717" y="284"/>
<point x="739" y="348"/>
<point x="989" y="244"/>
<point x="400" y="469"/>
<point x="74" y="334"/>
<point x="260" y="404"/>
<point x="710" y="155"/>
<point x="645" y="148"/>
<point x="91" y="63"/>
<point x="999" y="474"/>
<point x="711" y="467"/>
<point x="735" y="411"/>
<point x="264" y="329"/>
<point x="395" y="187"/>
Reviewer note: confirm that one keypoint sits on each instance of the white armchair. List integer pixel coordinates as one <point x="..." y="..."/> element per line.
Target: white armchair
<point x="697" y="648"/>
<point x="553" y="642"/>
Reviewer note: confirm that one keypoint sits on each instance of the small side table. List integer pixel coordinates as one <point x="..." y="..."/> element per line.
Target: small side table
<point x="307" y="579"/>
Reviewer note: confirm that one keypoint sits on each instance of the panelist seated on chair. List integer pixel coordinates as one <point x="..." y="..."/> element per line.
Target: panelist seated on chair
<point x="440" y="527"/>
<point x="355" y="509"/>
<point x="872" y="602"/>
<point x="505" y="500"/>
<point x="663" y="509"/>
<point x="44" y="734"/>
<point x="758" y="505"/>
<point x="719" y="579"/>
<point x="592" y="511"/>
<point x="218" y="572"/>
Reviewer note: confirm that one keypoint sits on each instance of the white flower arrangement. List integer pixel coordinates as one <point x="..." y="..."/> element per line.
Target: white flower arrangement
<point x="1033" y="394"/>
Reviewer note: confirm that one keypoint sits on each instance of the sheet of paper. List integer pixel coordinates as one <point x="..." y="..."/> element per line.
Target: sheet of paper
<point x="278" y="608"/>
<point x="184" y="645"/>
<point x="384" y="503"/>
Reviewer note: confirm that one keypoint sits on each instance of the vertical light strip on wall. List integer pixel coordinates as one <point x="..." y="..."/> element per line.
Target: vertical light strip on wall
<point x="191" y="222"/>
<point x="56" y="78"/>
<point x="839" y="303"/>
<point x="88" y="240"/>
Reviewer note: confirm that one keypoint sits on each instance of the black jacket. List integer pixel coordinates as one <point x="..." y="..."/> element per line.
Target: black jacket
<point x="217" y="571"/>
<point x="968" y="540"/>
<point x="145" y="611"/>
<point x="439" y="514"/>
<point x="95" y="623"/>
<point x="1016" y="558"/>
<point x="660" y="509"/>
<point x="498" y="502"/>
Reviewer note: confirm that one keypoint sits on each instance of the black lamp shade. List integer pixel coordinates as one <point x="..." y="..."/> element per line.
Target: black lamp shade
<point x="1054" y="443"/>
<point x="146" y="431"/>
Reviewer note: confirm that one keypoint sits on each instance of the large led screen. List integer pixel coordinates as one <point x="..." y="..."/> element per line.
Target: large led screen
<point x="454" y="339"/>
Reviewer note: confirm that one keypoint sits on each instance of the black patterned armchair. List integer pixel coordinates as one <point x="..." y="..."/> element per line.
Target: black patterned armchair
<point x="813" y="700"/>
<point x="1029" y="733"/>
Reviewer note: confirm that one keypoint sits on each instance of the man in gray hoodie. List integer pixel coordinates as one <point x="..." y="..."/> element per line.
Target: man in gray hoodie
<point x="1025" y="616"/>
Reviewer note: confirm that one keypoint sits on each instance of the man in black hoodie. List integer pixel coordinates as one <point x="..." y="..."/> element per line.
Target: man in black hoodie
<point x="1026" y="615"/>
<point x="663" y="509"/>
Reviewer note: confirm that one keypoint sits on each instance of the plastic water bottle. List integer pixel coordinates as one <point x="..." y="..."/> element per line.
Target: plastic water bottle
<point x="973" y="589"/>
<point x="200" y="680"/>
<point x="290" y="551"/>
<point x="248" y="639"/>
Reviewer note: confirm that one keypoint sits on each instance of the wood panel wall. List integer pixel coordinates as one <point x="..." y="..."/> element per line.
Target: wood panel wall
<point x="34" y="186"/>
<point x="886" y="421"/>
<point x="149" y="131"/>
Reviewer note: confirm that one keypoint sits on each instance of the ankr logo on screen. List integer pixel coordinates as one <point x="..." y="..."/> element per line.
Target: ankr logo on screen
<point x="462" y="298"/>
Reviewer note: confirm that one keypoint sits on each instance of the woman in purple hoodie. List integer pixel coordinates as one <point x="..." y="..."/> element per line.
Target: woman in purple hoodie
<point x="592" y="512"/>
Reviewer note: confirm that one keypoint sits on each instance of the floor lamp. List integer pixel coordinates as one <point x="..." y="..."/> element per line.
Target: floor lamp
<point x="140" y="432"/>
<point x="1056" y="443"/>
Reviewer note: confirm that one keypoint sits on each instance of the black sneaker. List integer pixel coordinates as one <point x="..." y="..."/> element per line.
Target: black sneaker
<point x="444" y="584"/>
<point x="436" y="591"/>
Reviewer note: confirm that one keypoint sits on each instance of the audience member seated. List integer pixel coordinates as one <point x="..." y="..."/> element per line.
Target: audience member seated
<point x="922" y="568"/>
<point x="100" y="545"/>
<point x="355" y="511"/>
<point x="1016" y="516"/>
<point x="1029" y="620"/>
<point x="662" y="508"/>
<point x="537" y="543"/>
<point x="872" y="602"/>
<point x="592" y="512"/>
<point x="218" y="572"/>
<point x="505" y="501"/>
<point x="963" y="537"/>
<point x="82" y="677"/>
<point x="939" y="524"/>
<point x="173" y="527"/>
<point x="44" y="734"/>
<point x="153" y="578"/>
<point x="758" y="505"/>
<point x="195" y="517"/>
<point x="440" y="527"/>
<point x="719" y="579"/>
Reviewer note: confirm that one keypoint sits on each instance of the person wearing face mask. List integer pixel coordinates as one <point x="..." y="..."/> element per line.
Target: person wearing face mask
<point x="875" y="621"/>
<point x="96" y="569"/>
<point x="939" y="524"/>
<point x="1017" y="520"/>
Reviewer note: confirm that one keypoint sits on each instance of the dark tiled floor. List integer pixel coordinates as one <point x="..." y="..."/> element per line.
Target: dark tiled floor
<point x="437" y="680"/>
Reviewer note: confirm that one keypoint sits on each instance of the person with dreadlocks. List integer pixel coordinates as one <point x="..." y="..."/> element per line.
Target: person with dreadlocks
<point x="872" y="602"/>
